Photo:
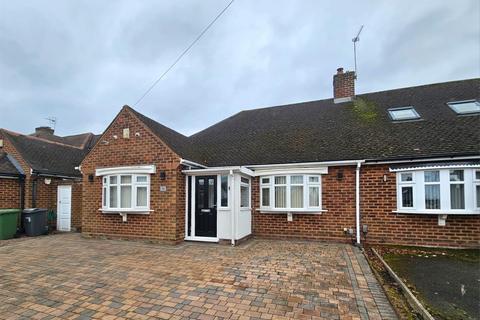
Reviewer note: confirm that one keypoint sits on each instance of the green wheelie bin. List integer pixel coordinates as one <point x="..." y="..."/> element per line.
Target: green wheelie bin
<point x="8" y="223"/>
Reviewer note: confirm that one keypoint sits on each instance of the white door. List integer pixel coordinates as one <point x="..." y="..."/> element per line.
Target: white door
<point x="64" y="208"/>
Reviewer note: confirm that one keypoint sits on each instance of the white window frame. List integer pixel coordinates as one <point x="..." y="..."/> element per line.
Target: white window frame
<point x="248" y="185"/>
<point x="403" y="184"/>
<point x="306" y="193"/>
<point x="476" y="182"/>
<point x="219" y="195"/>
<point x="134" y="184"/>
<point x="418" y="183"/>
<point x="434" y="183"/>
<point x="458" y="182"/>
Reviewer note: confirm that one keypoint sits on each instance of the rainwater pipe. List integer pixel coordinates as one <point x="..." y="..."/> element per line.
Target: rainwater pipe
<point x="357" y="200"/>
<point x="233" y="205"/>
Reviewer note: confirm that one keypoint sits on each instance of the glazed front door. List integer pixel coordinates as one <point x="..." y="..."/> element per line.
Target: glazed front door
<point x="206" y="206"/>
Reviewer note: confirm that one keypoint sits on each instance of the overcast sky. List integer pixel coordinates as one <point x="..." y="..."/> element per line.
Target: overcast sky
<point x="81" y="61"/>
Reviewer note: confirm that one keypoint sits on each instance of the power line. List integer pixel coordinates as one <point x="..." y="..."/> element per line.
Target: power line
<point x="184" y="52"/>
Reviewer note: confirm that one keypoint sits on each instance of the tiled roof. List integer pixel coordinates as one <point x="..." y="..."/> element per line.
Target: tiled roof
<point x="6" y="166"/>
<point x="325" y="131"/>
<point x="78" y="140"/>
<point x="46" y="156"/>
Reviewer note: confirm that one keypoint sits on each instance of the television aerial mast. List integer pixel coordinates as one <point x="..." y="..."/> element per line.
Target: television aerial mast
<point x="355" y="40"/>
<point x="52" y="122"/>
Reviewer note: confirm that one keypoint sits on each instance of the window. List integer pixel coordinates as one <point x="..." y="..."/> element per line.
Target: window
<point x="290" y="192"/>
<point x="244" y="192"/>
<point x="265" y="192"/>
<point x="476" y="182"/>
<point x="432" y="189"/>
<point x="224" y="191"/>
<point x="457" y="190"/>
<point x="465" y="107"/>
<point x="126" y="192"/>
<point x="403" y="113"/>
<point x="443" y="191"/>
<point x="406" y="190"/>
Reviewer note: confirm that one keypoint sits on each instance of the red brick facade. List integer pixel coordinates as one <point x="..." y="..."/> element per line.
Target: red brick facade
<point x="343" y="84"/>
<point x="338" y="198"/>
<point x="166" y="221"/>
<point x="9" y="193"/>
<point x="378" y="200"/>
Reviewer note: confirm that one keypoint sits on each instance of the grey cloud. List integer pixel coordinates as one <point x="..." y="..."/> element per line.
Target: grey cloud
<point x="82" y="60"/>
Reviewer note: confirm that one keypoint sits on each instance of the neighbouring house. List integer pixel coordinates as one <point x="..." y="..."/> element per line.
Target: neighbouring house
<point x="39" y="171"/>
<point x="399" y="166"/>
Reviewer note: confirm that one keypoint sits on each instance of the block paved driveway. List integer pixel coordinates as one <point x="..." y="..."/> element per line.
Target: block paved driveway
<point x="65" y="276"/>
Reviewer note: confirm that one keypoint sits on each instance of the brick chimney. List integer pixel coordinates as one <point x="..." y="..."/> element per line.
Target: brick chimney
<point x="343" y="86"/>
<point x="44" y="131"/>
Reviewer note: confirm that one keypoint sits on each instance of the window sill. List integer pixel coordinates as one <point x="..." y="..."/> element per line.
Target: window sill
<point x="469" y="212"/>
<point x="284" y="211"/>
<point x="129" y="211"/>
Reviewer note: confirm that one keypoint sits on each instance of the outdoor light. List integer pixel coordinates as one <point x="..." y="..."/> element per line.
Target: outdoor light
<point x="163" y="175"/>
<point x="340" y="175"/>
<point x="90" y="178"/>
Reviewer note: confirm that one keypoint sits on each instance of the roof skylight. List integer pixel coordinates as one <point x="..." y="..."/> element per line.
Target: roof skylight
<point x="403" y="113"/>
<point x="465" y="107"/>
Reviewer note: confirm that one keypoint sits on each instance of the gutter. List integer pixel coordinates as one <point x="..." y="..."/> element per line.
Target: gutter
<point x="425" y="159"/>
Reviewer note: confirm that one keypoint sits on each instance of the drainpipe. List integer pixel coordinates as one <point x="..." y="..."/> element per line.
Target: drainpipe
<point x="357" y="201"/>
<point x="233" y="206"/>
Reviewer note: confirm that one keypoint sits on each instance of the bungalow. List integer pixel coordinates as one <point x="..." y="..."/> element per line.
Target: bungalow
<point x="399" y="166"/>
<point x="38" y="170"/>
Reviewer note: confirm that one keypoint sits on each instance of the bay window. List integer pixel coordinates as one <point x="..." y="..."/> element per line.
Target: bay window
<point x="126" y="192"/>
<point x="294" y="192"/>
<point x="442" y="191"/>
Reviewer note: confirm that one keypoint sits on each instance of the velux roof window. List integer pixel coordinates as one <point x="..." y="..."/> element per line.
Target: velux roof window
<point x="465" y="107"/>
<point x="403" y="113"/>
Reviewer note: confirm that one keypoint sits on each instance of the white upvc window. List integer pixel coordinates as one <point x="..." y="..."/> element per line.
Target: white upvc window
<point x="126" y="192"/>
<point x="442" y="191"/>
<point x="295" y="192"/>
<point x="224" y="190"/>
<point x="244" y="192"/>
<point x="476" y="182"/>
<point x="406" y="186"/>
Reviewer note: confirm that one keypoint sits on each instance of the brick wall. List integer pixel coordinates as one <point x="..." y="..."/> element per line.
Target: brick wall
<point x="9" y="193"/>
<point x="47" y="198"/>
<point x="165" y="222"/>
<point x="343" y="84"/>
<point x="338" y="197"/>
<point x="46" y="194"/>
<point x="378" y="200"/>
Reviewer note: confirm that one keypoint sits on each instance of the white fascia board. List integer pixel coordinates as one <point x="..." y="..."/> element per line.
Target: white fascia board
<point x="451" y="166"/>
<point x="306" y="164"/>
<point x="192" y="163"/>
<point x="372" y="162"/>
<point x="144" y="169"/>
<point x="290" y="170"/>
<point x="194" y="172"/>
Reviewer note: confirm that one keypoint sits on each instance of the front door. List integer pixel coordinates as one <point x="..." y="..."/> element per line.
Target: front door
<point x="206" y="206"/>
<point x="64" y="208"/>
